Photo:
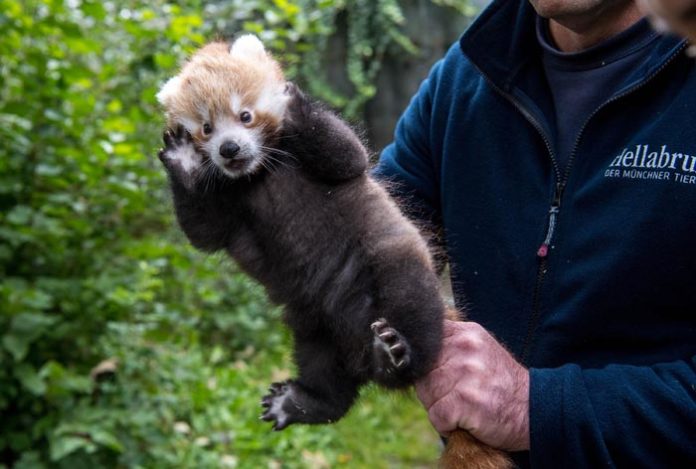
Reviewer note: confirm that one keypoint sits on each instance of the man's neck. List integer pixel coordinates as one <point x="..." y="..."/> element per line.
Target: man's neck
<point x="573" y="34"/>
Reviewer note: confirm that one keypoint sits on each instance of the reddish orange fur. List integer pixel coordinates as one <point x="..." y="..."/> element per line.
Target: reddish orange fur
<point x="212" y="76"/>
<point x="465" y="451"/>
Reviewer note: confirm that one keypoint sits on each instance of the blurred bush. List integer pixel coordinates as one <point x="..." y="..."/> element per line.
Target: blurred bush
<point x="119" y="345"/>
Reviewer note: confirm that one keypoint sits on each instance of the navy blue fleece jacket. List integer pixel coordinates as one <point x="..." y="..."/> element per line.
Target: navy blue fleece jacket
<point x="587" y="272"/>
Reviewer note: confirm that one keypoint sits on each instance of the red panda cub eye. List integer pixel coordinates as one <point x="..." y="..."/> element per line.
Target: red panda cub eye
<point x="245" y="117"/>
<point x="207" y="129"/>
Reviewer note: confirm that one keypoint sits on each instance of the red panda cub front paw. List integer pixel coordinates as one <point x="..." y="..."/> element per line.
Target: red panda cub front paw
<point x="180" y="157"/>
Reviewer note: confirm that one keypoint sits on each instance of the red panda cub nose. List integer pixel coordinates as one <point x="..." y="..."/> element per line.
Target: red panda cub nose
<point x="229" y="149"/>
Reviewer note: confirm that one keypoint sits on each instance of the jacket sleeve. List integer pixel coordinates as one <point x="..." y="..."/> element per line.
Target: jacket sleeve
<point x="407" y="166"/>
<point x="618" y="416"/>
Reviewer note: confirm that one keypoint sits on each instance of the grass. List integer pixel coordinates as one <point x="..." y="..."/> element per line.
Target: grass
<point x="206" y="408"/>
<point x="384" y="429"/>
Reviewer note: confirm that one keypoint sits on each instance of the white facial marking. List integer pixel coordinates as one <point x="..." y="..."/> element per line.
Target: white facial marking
<point x="203" y="111"/>
<point x="189" y="124"/>
<point x="249" y="141"/>
<point x="273" y="99"/>
<point x="236" y="104"/>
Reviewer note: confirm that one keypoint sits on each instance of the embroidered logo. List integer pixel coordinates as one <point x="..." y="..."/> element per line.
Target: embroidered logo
<point x="643" y="162"/>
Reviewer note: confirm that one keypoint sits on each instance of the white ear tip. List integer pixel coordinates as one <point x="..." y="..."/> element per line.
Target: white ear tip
<point x="170" y="88"/>
<point x="161" y="97"/>
<point x="247" y="45"/>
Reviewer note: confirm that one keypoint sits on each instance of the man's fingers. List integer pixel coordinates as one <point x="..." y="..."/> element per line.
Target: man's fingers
<point x="442" y="415"/>
<point x="430" y="391"/>
<point x="460" y="342"/>
<point x="438" y="383"/>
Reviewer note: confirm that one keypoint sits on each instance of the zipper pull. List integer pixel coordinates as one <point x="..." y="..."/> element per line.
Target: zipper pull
<point x="543" y="250"/>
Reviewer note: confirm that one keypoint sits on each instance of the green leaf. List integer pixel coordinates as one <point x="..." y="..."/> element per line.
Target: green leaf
<point x="35" y="299"/>
<point x="18" y="346"/>
<point x="29" y="460"/>
<point x="20" y="215"/>
<point x="165" y="61"/>
<point x="30" y="379"/>
<point x="62" y="446"/>
<point x="94" y="9"/>
<point x="107" y="440"/>
<point x="61" y="381"/>
<point x="24" y="329"/>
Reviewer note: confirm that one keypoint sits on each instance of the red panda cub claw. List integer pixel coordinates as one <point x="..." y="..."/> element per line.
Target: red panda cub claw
<point x="391" y="350"/>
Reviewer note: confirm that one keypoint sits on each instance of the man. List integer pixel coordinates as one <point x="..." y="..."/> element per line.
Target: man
<point x="675" y="15"/>
<point x="555" y="147"/>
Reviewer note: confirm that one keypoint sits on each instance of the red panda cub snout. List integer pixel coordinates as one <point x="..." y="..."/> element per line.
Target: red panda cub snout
<point x="232" y="101"/>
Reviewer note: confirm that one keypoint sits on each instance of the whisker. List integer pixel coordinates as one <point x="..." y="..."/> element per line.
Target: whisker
<point x="273" y="159"/>
<point x="268" y="163"/>
<point x="277" y="150"/>
<point x="210" y="175"/>
<point x="281" y="137"/>
<point x="265" y="165"/>
<point x="270" y="150"/>
<point x="206" y="178"/>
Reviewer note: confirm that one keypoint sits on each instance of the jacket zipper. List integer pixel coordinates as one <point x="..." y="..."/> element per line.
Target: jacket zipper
<point x="553" y="214"/>
<point x="542" y="252"/>
<point x="561" y="181"/>
<point x="554" y="210"/>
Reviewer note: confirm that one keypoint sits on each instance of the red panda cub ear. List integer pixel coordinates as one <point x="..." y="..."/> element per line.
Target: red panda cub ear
<point x="248" y="46"/>
<point x="168" y="91"/>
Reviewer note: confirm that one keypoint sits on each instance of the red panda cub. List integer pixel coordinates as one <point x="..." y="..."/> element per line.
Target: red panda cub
<point x="281" y="184"/>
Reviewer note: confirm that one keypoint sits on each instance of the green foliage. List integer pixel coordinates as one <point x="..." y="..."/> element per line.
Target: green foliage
<point x="464" y="7"/>
<point x="302" y="33"/>
<point x="119" y="345"/>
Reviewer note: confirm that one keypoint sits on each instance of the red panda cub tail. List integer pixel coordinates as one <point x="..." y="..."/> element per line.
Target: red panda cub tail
<point x="465" y="451"/>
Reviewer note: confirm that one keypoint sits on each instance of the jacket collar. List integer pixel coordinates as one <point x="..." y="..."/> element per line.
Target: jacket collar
<point x="502" y="41"/>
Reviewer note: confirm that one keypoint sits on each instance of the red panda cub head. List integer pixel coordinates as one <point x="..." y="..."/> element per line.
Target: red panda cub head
<point x="231" y="100"/>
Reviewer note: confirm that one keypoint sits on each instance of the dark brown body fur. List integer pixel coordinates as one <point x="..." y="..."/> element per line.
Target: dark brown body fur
<point x="327" y="243"/>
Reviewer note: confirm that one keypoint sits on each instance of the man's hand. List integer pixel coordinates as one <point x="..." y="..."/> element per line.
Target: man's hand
<point x="478" y="386"/>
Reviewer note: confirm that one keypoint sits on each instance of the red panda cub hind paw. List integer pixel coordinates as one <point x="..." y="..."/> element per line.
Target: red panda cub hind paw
<point x="274" y="404"/>
<point x="391" y="349"/>
<point x="295" y="401"/>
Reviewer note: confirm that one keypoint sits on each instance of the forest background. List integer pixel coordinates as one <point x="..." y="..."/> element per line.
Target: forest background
<point x="120" y="346"/>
